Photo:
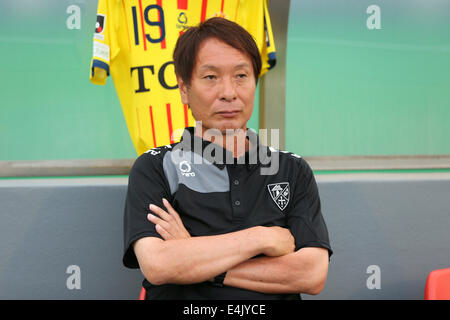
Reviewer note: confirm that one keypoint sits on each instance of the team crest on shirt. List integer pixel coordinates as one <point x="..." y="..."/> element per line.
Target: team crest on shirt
<point x="100" y="24"/>
<point x="280" y="194"/>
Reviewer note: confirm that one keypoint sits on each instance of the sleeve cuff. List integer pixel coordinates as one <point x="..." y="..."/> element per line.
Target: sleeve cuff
<point x="99" y="72"/>
<point x="99" y="64"/>
<point x="315" y="245"/>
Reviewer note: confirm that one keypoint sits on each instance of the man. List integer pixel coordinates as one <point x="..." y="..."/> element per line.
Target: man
<point x="200" y="227"/>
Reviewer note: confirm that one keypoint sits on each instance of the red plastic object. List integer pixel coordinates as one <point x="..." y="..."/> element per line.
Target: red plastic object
<point x="437" y="286"/>
<point x="142" y="294"/>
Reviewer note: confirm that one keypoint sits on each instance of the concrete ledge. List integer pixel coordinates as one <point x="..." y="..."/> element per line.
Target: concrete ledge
<point x="50" y="168"/>
<point x="98" y="167"/>
<point x="380" y="162"/>
<point x="349" y="177"/>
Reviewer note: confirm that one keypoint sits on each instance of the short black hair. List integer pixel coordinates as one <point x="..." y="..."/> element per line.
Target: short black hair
<point x="231" y="33"/>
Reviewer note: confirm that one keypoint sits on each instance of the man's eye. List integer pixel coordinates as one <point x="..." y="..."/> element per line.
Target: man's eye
<point x="210" y="77"/>
<point x="242" y="75"/>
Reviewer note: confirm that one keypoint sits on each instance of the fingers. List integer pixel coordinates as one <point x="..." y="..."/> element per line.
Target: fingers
<point x="163" y="233"/>
<point x="166" y="224"/>
<point x="160" y="212"/>
<point x="172" y="211"/>
<point x="169" y="224"/>
<point x="176" y="217"/>
<point x="170" y="215"/>
<point x="160" y="224"/>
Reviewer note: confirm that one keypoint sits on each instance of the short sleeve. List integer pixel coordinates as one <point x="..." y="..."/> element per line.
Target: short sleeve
<point x="268" y="51"/>
<point x="102" y="45"/>
<point x="304" y="218"/>
<point x="146" y="185"/>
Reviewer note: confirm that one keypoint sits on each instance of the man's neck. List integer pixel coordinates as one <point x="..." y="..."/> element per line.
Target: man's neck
<point x="233" y="140"/>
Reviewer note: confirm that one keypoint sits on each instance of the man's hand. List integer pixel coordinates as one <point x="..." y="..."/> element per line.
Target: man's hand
<point x="280" y="241"/>
<point x="168" y="224"/>
<point x="188" y="260"/>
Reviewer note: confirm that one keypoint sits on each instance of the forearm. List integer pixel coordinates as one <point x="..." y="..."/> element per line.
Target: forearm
<point x="197" y="259"/>
<point x="298" y="272"/>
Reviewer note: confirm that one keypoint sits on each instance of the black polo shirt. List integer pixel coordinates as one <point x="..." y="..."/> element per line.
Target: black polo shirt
<point x="214" y="194"/>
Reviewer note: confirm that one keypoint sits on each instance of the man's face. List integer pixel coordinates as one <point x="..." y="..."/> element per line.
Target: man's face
<point x="222" y="88"/>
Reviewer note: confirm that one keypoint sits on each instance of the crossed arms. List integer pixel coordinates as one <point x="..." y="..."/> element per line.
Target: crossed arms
<point x="182" y="259"/>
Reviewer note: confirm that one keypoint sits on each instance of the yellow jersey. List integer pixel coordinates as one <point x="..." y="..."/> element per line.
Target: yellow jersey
<point x="134" y="42"/>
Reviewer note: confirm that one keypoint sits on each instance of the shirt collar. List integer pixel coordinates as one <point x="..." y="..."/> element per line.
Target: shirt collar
<point x="258" y="155"/>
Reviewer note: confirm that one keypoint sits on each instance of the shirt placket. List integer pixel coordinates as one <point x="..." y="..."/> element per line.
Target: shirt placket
<point x="236" y="192"/>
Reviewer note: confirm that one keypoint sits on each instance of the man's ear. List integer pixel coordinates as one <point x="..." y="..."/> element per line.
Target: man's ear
<point x="182" y="86"/>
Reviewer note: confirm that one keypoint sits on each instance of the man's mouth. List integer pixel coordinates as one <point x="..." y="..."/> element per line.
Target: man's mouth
<point x="228" y="114"/>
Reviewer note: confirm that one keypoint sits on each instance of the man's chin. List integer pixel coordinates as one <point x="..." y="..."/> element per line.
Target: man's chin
<point x="231" y="131"/>
<point x="225" y="128"/>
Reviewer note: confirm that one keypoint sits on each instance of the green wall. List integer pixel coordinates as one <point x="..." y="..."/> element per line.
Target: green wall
<point x="49" y="108"/>
<point x="355" y="91"/>
<point x="350" y="90"/>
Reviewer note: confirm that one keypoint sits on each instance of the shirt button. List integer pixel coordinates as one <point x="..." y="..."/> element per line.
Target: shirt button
<point x="236" y="182"/>
<point x="237" y="203"/>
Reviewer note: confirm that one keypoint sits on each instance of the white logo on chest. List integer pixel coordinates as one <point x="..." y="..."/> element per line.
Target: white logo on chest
<point x="185" y="169"/>
<point x="279" y="193"/>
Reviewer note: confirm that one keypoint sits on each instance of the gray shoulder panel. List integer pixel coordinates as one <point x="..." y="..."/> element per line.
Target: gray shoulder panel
<point x="196" y="173"/>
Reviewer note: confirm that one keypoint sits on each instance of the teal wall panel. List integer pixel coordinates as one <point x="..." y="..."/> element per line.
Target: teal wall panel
<point x="49" y="109"/>
<point x="352" y="90"/>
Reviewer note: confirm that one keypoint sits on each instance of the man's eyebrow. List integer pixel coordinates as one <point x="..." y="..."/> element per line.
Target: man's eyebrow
<point x="212" y="67"/>
<point x="208" y="67"/>
<point x="242" y="65"/>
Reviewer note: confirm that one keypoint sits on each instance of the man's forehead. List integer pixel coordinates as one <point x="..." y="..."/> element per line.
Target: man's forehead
<point x="210" y="55"/>
<point x="209" y="66"/>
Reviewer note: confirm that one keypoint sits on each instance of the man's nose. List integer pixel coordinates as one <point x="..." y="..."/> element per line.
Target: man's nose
<point x="228" y="90"/>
